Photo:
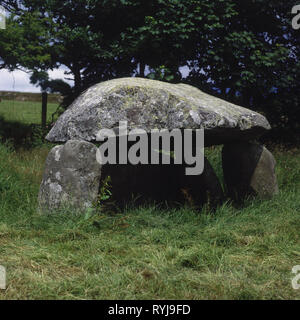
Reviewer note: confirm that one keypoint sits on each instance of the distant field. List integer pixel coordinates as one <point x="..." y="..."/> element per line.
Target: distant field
<point x="25" y="112"/>
<point x="28" y="96"/>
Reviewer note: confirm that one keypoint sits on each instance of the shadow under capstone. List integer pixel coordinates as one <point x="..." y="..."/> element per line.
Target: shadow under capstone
<point x="165" y="185"/>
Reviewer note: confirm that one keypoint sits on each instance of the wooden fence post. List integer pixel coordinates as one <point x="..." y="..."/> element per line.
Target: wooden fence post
<point x="44" y="109"/>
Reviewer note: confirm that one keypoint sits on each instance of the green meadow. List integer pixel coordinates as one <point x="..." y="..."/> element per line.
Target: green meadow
<point x="235" y="252"/>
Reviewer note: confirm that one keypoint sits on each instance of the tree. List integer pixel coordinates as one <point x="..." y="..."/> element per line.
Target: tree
<point x="246" y="52"/>
<point x="25" y="43"/>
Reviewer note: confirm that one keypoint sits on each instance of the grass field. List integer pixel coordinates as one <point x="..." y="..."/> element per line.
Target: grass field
<point x="25" y="112"/>
<point x="146" y="253"/>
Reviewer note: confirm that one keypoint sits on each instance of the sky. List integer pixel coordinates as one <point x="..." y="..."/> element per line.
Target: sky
<point x="19" y="80"/>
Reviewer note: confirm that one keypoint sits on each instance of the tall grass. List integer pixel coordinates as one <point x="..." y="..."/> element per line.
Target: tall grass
<point x="146" y="253"/>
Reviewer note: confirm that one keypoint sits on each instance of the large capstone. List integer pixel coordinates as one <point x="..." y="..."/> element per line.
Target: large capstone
<point x="249" y="169"/>
<point x="71" y="177"/>
<point x="150" y="104"/>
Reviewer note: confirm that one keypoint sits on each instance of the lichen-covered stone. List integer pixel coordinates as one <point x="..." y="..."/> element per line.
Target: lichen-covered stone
<point x="71" y="177"/>
<point x="249" y="169"/>
<point x="150" y="104"/>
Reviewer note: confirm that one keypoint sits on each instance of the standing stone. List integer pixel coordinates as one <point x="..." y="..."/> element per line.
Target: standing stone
<point x="249" y="169"/>
<point x="71" y="178"/>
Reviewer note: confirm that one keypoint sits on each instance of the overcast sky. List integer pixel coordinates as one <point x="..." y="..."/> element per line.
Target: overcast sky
<point x="19" y="80"/>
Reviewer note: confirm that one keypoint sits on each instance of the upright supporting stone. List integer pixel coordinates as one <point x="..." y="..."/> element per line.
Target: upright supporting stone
<point x="71" y="178"/>
<point x="249" y="169"/>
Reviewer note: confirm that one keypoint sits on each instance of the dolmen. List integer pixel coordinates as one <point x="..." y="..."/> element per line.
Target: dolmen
<point x="108" y="133"/>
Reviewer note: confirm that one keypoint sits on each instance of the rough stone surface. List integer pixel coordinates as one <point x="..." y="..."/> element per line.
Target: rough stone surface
<point x="249" y="169"/>
<point x="150" y="104"/>
<point x="163" y="184"/>
<point x="71" y="177"/>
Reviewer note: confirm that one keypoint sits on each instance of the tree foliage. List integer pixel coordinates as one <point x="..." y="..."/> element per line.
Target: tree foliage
<point x="245" y="51"/>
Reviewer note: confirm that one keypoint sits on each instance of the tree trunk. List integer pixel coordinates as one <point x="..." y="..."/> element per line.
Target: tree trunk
<point x="44" y="109"/>
<point x="142" y="70"/>
<point x="77" y="78"/>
